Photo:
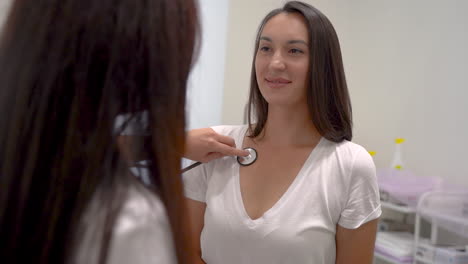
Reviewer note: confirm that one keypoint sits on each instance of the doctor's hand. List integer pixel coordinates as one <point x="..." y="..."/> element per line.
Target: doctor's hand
<point x="205" y="145"/>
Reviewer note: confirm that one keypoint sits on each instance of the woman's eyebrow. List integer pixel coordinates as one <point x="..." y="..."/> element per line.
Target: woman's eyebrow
<point x="293" y="41"/>
<point x="298" y="41"/>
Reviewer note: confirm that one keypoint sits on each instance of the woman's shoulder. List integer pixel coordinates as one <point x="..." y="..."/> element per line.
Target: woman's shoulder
<point x="141" y="207"/>
<point x="142" y="232"/>
<point x="346" y="148"/>
<point x="352" y="164"/>
<point x="349" y="154"/>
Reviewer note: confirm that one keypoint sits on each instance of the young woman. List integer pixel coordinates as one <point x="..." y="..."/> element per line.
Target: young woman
<point x="311" y="196"/>
<point x="69" y="68"/>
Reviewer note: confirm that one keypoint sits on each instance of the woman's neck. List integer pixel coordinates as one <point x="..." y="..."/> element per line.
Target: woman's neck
<point x="289" y="127"/>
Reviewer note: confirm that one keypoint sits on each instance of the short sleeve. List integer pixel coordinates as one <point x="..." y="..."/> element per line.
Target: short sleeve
<point x="363" y="203"/>
<point x="196" y="182"/>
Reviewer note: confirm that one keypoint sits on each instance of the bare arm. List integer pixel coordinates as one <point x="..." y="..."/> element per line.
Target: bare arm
<point x="205" y="144"/>
<point x="197" y="215"/>
<point x="356" y="246"/>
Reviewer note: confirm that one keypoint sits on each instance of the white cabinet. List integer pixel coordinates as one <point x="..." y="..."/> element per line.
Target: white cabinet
<point x="406" y="212"/>
<point x="447" y="211"/>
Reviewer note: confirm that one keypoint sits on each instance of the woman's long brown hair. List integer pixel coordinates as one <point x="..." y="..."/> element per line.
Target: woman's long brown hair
<point x="68" y="68"/>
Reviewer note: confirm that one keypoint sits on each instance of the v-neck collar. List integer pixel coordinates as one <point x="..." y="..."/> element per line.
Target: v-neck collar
<point x="284" y="197"/>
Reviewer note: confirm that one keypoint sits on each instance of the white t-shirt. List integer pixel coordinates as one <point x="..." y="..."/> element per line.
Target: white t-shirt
<point x="336" y="185"/>
<point x="142" y="234"/>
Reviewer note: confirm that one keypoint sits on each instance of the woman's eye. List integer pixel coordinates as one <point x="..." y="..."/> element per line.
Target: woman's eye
<point x="265" y="49"/>
<point x="295" y="51"/>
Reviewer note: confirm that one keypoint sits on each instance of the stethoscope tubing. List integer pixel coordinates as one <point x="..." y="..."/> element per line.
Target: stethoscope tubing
<point x="196" y="164"/>
<point x="241" y="160"/>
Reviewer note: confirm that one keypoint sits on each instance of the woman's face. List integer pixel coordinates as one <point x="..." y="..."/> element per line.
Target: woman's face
<point x="282" y="60"/>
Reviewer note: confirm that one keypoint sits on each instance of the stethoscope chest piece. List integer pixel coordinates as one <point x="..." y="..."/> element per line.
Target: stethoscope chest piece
<point x="248" y="160"/>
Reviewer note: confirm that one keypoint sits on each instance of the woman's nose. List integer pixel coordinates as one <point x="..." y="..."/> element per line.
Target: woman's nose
<point x="277" y="62"/>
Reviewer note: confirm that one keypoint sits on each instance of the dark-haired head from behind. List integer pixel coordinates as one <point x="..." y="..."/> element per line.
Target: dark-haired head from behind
<point x="68" y="68"/>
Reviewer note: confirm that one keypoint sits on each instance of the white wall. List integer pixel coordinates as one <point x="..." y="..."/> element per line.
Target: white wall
<point x="406" y="64"/>
<point x="4" y="7"/>
<point x="205" y="93"/>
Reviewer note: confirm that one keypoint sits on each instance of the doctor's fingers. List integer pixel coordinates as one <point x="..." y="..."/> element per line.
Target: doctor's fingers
<point x="229" y="148"/>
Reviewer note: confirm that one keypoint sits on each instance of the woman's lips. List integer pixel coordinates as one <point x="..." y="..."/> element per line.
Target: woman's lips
<point x="277" y="82"/>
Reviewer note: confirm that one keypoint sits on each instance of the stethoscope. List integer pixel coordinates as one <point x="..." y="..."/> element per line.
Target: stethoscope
<point x="243" y="161"/>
